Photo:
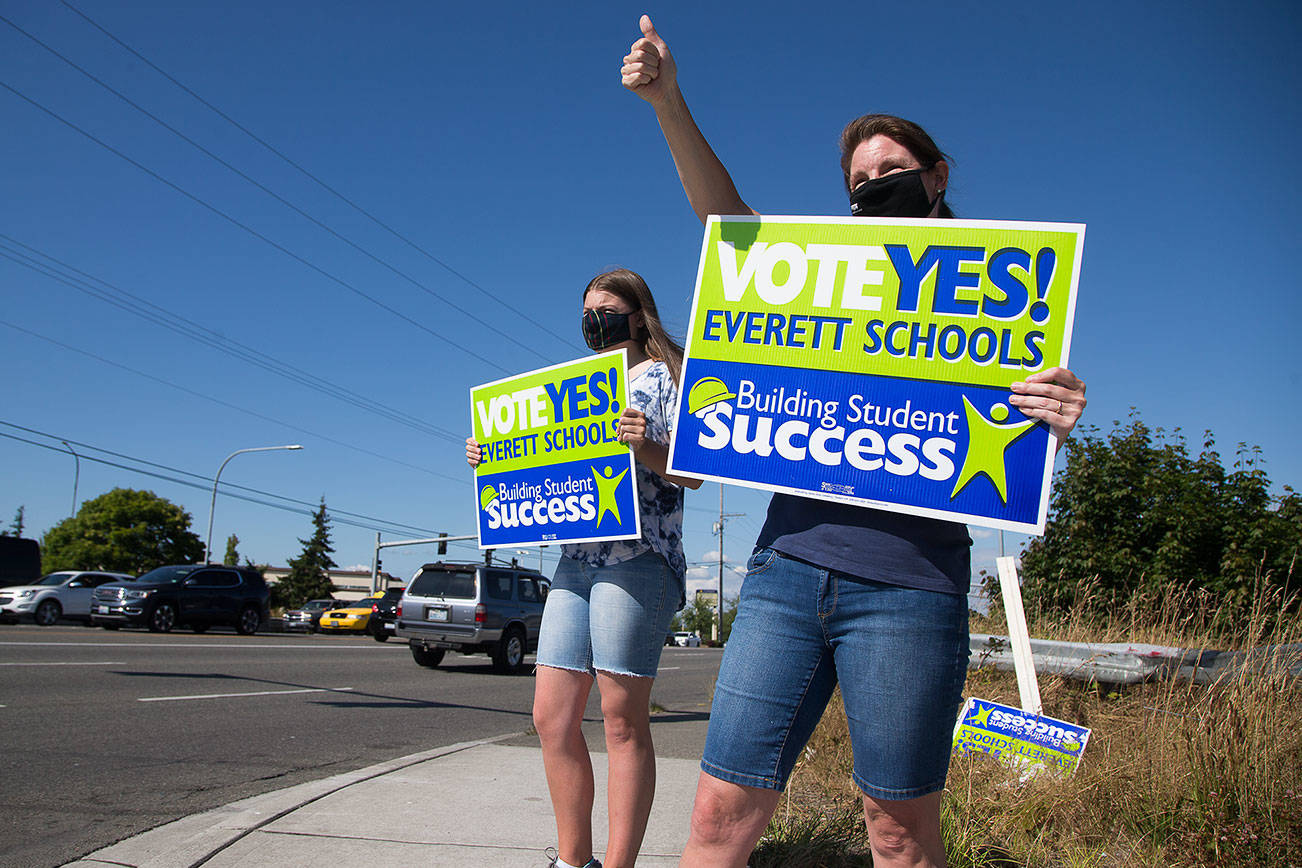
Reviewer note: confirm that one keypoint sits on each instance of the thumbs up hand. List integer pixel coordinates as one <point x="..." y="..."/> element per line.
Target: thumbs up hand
<point x="649" y="69"/>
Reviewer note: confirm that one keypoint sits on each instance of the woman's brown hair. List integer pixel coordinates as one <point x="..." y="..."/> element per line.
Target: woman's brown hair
<point x="656" y="342"/>
<point x="907" y="133"/>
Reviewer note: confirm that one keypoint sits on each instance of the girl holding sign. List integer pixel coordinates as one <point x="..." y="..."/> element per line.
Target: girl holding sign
<point x="872" y="600"/>
<point x="611" y="602"/>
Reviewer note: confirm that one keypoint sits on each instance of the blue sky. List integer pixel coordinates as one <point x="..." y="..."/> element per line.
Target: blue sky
<point x="497" y="140"/>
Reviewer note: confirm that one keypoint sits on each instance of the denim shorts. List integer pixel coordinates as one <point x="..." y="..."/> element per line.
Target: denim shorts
<point x="900" y="655"/>
<point x="612" y="618"/>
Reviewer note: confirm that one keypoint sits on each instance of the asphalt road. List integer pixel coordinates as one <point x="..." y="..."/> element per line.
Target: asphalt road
<point x="110" y="733"/>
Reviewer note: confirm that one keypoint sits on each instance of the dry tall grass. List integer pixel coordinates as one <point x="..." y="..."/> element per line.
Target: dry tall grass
<point x="1176" y="774"/>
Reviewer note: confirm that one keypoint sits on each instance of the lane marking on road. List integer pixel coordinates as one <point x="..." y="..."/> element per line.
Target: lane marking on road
<point x="71" y="663"/>
<point x="667" y="668"/>
<point x="241" y="695"/>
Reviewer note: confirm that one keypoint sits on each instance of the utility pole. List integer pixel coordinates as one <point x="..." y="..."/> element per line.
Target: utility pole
<point x="76" y="476"/>
<point x="716" y="630"/>
<point x="375" y="566"/>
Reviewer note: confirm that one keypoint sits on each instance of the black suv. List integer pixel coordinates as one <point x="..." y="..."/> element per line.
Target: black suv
<point x="384" y="614"/>
<point x="198" y="596"/>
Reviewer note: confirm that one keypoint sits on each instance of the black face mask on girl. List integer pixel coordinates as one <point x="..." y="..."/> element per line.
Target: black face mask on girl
<point x="900" y="194"/>
<point x="603" y="328"/>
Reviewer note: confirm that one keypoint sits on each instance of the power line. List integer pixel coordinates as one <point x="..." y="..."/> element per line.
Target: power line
<point x="358" y="208"/>
<point x="229" y="405"/>
<point x="389" y="526"/>
<point x="200" y="476"/>
<point x="255" y="233"/>
<point x="297" y="210"/>
<point x="161" y="316"/>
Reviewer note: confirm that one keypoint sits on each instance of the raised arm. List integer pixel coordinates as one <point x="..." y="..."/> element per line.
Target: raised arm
<point x="650" y="72"/>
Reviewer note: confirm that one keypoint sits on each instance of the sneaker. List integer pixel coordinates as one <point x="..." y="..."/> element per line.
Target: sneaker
<point x="552" y="855"/>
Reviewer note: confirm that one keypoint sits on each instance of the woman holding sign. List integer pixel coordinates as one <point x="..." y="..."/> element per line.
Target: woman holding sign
<point x="872" y="600"/>
<point x="611" y="603"/>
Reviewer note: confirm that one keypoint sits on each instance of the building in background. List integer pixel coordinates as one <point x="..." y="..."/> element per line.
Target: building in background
<point x="349" y="584"/>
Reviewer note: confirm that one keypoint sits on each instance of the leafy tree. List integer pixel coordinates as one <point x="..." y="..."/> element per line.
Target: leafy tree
<point x="232" y="556"/>
<point x="729" y="615"/>
<point x="309" y="573"/>
<point x="698" y="617"/>
<point x="1133" y="511"/>
<point x="15" y="529"/>
<point x="124" y="530"/>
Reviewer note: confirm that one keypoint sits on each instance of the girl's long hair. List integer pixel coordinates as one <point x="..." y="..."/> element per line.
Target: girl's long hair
<point x="630" y="286"/>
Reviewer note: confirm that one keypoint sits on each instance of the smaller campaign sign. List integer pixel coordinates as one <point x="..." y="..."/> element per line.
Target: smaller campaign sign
<point x="552" y="467"/>
<point x="1018" y="737"/>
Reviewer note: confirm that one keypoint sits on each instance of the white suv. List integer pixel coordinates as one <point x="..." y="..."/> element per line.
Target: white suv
<point x="65" y="594"/>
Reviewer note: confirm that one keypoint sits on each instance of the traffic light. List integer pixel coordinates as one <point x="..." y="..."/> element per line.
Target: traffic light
<point x="443" y="546"/>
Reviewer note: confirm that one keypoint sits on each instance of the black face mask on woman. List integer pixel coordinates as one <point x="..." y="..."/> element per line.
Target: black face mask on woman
<point x="900" y="194"/>
<point x="603" y="328"/>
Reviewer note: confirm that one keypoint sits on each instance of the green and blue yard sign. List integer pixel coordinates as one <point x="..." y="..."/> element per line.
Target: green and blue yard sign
<point x="869" y="361"/>
<point x="1019" y="737"/>
<point x="552" y="469"/>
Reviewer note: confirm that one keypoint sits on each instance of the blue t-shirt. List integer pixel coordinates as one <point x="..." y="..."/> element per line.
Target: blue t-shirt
<point x="889" y="547"/>
<point x="661" y="502"/>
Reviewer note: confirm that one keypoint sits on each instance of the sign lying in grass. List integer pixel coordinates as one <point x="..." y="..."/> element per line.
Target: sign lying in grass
<point x="1019" y="738"/>
<point x="553" y="470"/>
<point x="869" y="361"/>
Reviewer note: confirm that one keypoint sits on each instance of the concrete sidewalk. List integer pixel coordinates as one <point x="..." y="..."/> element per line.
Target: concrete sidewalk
<point x="476" y="803"/>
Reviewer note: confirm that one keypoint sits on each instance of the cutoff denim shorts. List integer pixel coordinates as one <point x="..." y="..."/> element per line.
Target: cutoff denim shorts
<point x="612" y="618"/>
<point x="900" y="655"/>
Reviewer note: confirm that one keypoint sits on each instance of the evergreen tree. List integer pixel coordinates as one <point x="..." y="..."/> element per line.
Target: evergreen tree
<point x="309" y="573"/>
<point x="15" y="529"/>
<point x="1134" y="512"/>
<point x="232" y="556"/>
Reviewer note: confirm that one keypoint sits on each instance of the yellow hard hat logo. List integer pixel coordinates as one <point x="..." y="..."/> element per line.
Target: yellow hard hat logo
<point x="487" y="495"/>
<point x="706" y="392"/>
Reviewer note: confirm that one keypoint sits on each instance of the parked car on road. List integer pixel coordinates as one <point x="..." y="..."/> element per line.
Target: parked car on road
<point x="349" y="617"/>
<point x="308" y="616"/>
<point x="472" y="608"/>
<point x="687" y="640"/>
<point x="65" y="594"/>
<point x="196" y="595"/>
<point x="384" y="614"/>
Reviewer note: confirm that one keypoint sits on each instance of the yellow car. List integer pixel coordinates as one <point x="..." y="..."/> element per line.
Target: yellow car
<point x="348" y="617"/>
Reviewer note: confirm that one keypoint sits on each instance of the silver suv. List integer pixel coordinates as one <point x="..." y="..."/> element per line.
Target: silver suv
<point x="472" y="608"/>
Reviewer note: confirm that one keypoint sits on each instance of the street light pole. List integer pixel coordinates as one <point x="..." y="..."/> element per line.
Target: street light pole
<point x="212" y="508"/>
<point x="76" y="477"/>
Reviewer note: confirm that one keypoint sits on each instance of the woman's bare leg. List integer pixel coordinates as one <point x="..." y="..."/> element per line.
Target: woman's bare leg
<point x="631" y="780"/>
<point x="559" y="698"/>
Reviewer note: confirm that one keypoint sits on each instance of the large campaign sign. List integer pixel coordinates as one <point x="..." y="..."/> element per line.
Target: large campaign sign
<point x="552" y="468"/>
<point x="869" y="361"/>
